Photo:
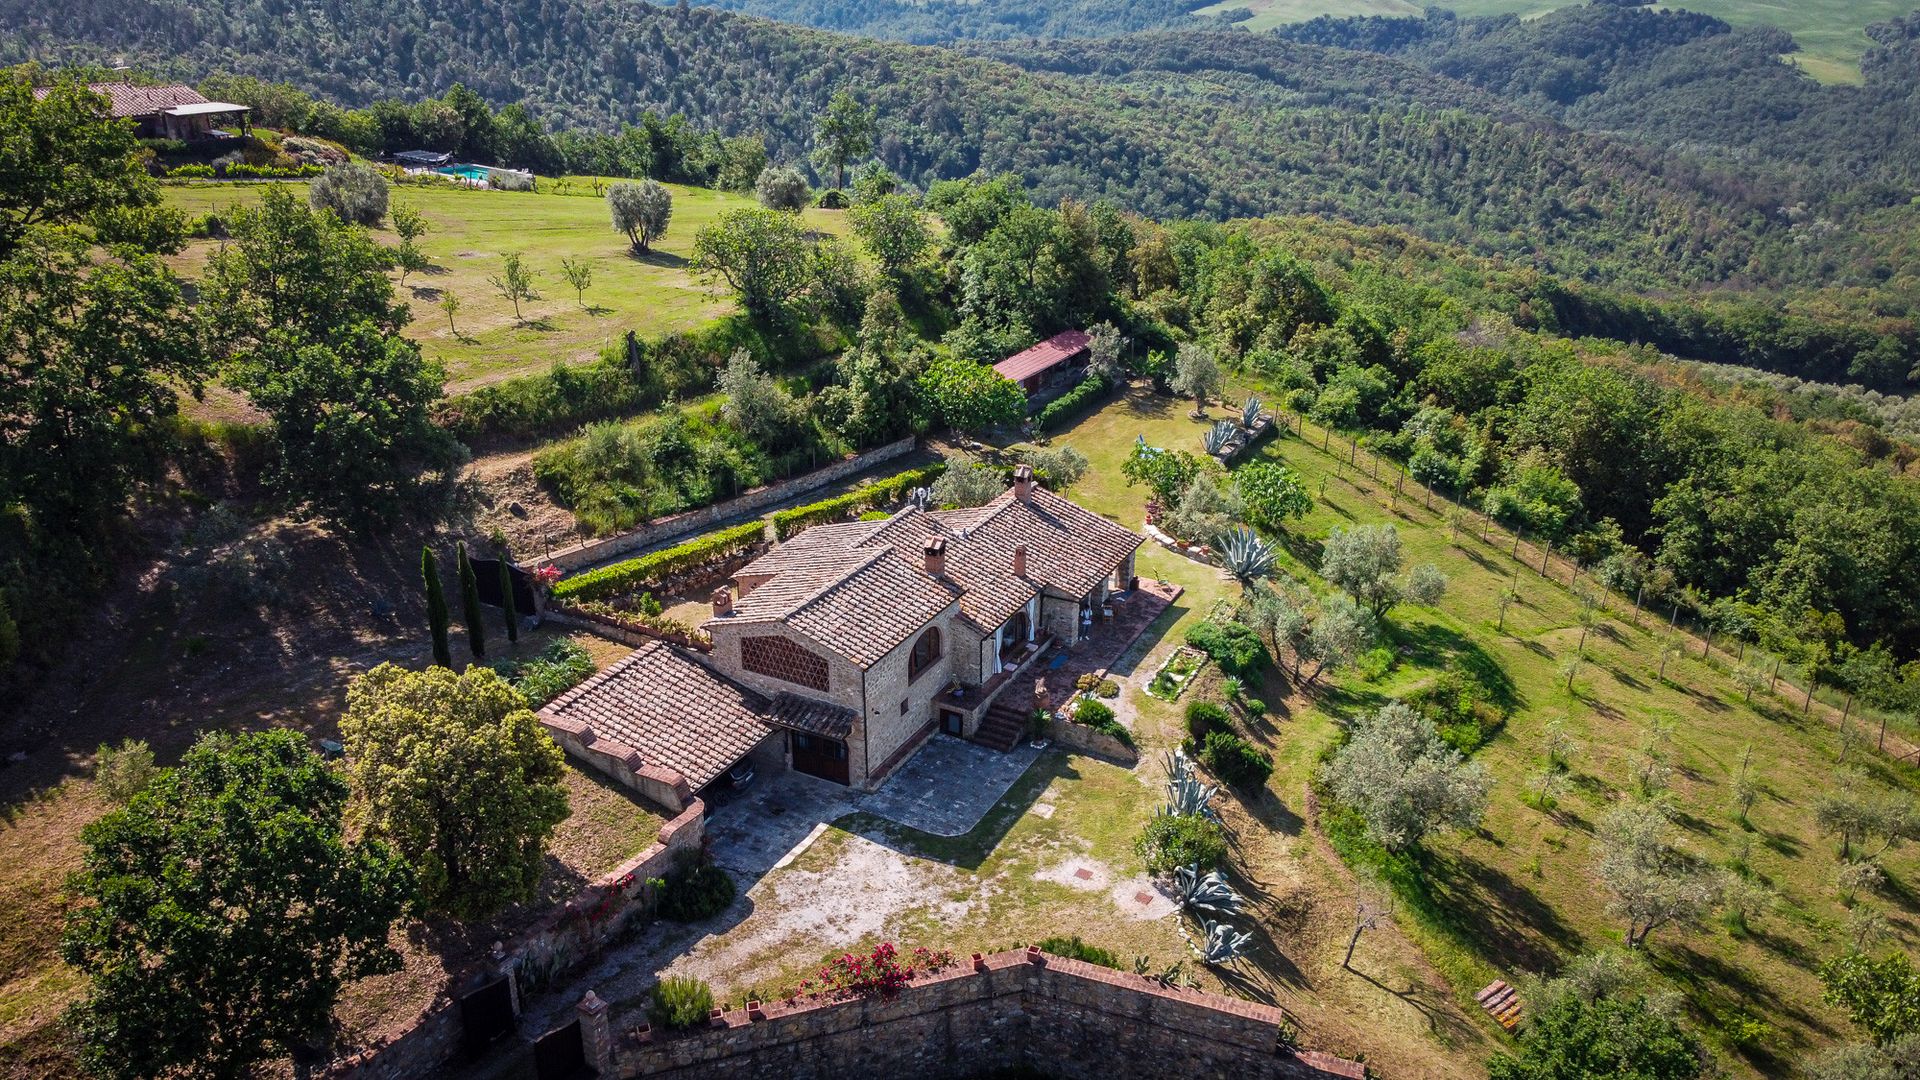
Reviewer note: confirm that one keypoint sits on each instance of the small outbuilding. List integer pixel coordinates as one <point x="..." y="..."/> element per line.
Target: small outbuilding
<point x="170" y="112"/>
<point x="1050" y="367"/>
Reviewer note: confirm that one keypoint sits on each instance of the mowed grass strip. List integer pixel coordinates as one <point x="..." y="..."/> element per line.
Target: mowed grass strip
<point x="472" y="231"/>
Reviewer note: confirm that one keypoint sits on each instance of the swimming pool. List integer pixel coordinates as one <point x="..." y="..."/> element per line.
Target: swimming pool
<point x="465" y="172"/>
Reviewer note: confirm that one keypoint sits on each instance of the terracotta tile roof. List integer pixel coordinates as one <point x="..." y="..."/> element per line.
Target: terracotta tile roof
<point x="676" y="711"/>
<point x="813" y="717"/>
<point x="126" y="100"/>
<point x="1050" y="353"/>
<point x="1069" y="551"/>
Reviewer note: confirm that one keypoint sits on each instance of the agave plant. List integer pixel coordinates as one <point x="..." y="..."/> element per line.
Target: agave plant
<point x="1250" y="412"/>
<point x="1223" y="944"/>
<point x="1205" y="892"/>
<point x="1219" y="436"/>
<point x="1187" y="796"/>
<point x="1245" y="555"/>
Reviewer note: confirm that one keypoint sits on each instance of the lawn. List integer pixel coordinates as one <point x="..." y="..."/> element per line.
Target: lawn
<point x="1831" y="33"/>
<point x="1519" y="894"/>
<point x="471" y="231"/>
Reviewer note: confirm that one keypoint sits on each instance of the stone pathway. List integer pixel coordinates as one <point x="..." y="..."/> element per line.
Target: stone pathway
<point x="949" y="785"/>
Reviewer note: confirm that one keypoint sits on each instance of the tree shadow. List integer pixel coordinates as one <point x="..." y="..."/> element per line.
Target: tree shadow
<point x="1429" y="1003"/>
<point x="1504" y="918"/>
<point x="666" y="260"/>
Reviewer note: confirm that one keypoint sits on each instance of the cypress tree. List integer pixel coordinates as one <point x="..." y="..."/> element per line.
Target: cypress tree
<point x="436" y="608"/>
<point x="506" y="600"/>
<point x="470" y="601"/>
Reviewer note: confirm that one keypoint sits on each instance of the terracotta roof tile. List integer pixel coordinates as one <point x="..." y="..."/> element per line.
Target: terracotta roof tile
<point x="813" y="717"/>
<point x="1050" y="353"/>
<point x="127" y="100"/>
<point x="676" y="711"/>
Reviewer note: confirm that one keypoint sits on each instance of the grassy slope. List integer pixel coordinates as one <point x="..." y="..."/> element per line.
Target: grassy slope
<point x="1831" y="33"/>
<point x="472" y="229"/>
<point x="1520" y="895"/>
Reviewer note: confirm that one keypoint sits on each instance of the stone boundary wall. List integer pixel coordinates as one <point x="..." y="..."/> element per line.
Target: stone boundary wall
<point x="566" y="937"/>
<point x="634" y="634"/>
<point x="1064" y="1018"/>
<point x="1082" y="739"/>
<point x="589" y="552"/>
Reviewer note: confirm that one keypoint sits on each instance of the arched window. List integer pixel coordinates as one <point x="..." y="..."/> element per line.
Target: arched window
<point x="926" y="653"/>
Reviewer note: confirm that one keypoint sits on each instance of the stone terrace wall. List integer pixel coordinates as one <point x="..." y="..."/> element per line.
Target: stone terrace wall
<point x="589" y="552"/>
<point x="1085" y="740"/>
<point x="566" y="937"/>
<point x="1063" y="1018"/>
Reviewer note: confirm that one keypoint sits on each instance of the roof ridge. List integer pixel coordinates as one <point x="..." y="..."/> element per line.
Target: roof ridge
<point x="867" y="558"/>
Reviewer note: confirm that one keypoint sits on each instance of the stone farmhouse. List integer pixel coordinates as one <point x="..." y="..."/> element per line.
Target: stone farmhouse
<point x="841" y="651"/>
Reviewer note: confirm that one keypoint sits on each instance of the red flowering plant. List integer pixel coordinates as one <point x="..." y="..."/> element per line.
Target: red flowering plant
<point x="881" y="973"/>
<point x="545" y="576"/>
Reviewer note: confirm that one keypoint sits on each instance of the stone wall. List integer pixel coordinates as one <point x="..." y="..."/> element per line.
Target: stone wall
<point x="1084" y="740"/>
<point x="622" y="763"/>
<point x="566" y="937"/>
<point x="1062" y="1018"/>
<point x="589" y="552"/>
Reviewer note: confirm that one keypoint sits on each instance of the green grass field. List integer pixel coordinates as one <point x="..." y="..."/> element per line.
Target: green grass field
<point x="1831" y="33"/>
<point x="1519" y="895"/>
<point x="473" y="229"/>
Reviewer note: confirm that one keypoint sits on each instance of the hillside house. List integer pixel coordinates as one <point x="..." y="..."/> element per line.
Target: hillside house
<point x="1050" y="368"/>
<point x="842" y="650"/>
<point x="170" y="112"/>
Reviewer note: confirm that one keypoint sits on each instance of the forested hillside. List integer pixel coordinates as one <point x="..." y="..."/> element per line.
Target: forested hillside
<point x="958" y="20"/>
<point x="1276" y="128"/>
<point x="1676" y="79"/>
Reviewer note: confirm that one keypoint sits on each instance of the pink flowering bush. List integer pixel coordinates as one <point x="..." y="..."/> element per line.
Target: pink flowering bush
<point x="881" y="972"/>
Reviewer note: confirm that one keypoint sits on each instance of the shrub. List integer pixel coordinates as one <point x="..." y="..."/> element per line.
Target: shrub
<point x="1462" y="706"/>
<point x="831" y="199"/>
<point x="1092" y="713"/>
<point x="1107" y="689"/>
<point x="354" y="193"/>
<point x="122" y="771"/>
<point x="781" y="187"/>
<point x="1204" y="718"/>
<point x="880" y="972"/>
<point x="634" y="575"/>
<point x="560" y="667"/>
<point x="1074" y="949"/>
<point x="695" y="889"/>
<point x="1232" y="645"/>
<point x="859" y="500"/>
<point x="1170" y="841"/>
<point x="1071" y="404"/>
<point x="193" y="171"/>
<point x="681" y="1002"/>
<point x="1236" y="761"/>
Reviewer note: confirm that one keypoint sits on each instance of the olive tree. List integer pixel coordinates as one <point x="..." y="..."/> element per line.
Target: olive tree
<point x="966" y="482"/>
<point x="1366" y="560"/>
<point x="1404" y="780"/>
<point x="641" y="209"/>
<point x="781" y="187"/>
<point x="1196" y="374"/>
<point x="356" y="194"/>
<point x="756" y="403"/>
<point x="1652" y="881"/>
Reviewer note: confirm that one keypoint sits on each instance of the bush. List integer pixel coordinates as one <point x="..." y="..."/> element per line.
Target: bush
<point x="1169" y="841"/>
<point x="859" y="500"/>
<point x="1232" y="645"/>
<point x="831" y="199"/>
<point x="1236" y="761"/>
<point x="193" y="171"/>
<point x="681" y="1002"/>
<point x="124" y="770"/>
<point x="1204" y="718"/>
<point x="1072" y="403"/>
<point x="1074" y="949"/>
<point x="635" y="575"/>
<point x="560" y="667"/>
<point x="1092" y="713"/>
<point x="354" y="193"/>
<point x="695" y="889"/>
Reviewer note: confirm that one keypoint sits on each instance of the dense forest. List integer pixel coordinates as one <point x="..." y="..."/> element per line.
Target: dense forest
<point x="1271" y="127"/>
<point x="990" y="20"/>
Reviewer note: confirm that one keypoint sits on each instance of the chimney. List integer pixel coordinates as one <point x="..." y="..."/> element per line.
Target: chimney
<point x="1022" y="482"/>
<point x="722" y="601"/>
<point x="936" y="551"/>
<point x="1020" y="561"/>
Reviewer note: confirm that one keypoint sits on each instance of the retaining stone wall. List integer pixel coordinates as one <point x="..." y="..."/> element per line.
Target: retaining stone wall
<point x="590" y="552"/>
<point x="1063" y="1018"/>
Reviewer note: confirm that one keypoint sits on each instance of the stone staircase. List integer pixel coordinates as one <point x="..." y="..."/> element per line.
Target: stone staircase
<point x="1003" y="727"/>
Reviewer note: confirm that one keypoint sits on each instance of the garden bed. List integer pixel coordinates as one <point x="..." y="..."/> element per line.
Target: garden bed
<point x="1182" y="666"/>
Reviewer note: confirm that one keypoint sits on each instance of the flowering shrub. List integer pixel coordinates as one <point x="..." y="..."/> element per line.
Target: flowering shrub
<point x="881" y="972"/>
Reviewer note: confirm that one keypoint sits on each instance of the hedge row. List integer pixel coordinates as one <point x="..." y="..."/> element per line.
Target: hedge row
<point x="242" y="171"/>
<point x="633" y="575"/>
<point x="855" y="502"/>
<point x="1072" y="403"/>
